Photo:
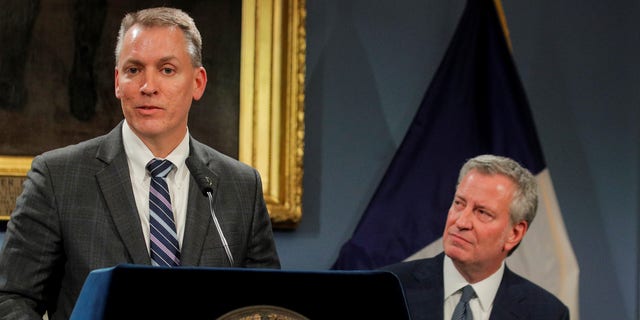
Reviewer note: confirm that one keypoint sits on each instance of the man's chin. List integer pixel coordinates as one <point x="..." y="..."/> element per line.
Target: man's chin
<point x="456" y="253"/>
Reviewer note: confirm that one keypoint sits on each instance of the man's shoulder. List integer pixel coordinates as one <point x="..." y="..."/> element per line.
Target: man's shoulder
<point x="110" y="143"/>
<point x="76" y="151"/>
<point x="517" y="285"/>
<point x="409" y="266"/>
<point x="524" y="284"/>
<point x="218" y="161"/>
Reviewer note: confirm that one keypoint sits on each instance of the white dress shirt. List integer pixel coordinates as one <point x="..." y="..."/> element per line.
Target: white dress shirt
<point x="486" y="290"/>
<point x="138" y="155"/>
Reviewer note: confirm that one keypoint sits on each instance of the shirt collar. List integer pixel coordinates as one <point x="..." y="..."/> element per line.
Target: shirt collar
<point x="138" y="154"/>
<point x="485" y="290"/>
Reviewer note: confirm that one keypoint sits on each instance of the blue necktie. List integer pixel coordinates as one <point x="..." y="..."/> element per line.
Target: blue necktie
<point x="462" y="310"/>
<point x="163" y="240"/>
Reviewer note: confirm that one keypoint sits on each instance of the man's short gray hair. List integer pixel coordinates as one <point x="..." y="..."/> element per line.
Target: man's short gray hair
<point x="164" y="17"/>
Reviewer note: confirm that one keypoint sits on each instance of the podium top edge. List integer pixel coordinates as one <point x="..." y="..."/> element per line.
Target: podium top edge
<point x="124" y="267"/>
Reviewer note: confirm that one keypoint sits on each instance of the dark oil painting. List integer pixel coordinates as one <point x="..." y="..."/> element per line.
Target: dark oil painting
<point x="57" y="72"/>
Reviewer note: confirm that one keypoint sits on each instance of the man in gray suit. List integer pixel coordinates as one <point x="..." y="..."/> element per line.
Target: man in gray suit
<point x="86" y="206"/>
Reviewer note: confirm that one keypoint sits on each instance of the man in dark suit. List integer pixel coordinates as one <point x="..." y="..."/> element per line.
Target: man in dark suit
<point x="87" y="206"/>
<point x="493" y="206"/>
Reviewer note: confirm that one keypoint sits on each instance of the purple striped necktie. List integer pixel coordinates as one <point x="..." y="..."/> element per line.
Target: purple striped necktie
<point x="163" y="240"/>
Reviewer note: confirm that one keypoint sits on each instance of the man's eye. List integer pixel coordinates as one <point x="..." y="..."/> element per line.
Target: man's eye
<point x="167" y="71"/>
<point x="484" y="215"/>
<point x="132" y="70"/>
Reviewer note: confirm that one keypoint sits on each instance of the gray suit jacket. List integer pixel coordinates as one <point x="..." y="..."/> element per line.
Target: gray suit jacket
<point x="77" y="213"/>
<point x="517" y="297"/>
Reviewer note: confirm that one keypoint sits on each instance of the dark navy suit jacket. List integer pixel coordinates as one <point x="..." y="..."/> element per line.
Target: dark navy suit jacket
<point x="517" y="297"/>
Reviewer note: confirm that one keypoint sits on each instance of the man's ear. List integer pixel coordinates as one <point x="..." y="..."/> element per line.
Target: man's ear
<point x="116" y="86"/>
<point x="516" y="234"/>
<point x="200" y="80"/>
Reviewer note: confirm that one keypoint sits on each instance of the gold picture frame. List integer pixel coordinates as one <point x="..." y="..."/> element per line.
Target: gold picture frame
<point x="272" y="76"/>
<point x="13" y="171"/>
<point x="271" y="133"/>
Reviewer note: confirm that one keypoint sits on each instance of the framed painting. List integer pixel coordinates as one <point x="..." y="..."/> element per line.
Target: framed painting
<point x="256" y="88"/>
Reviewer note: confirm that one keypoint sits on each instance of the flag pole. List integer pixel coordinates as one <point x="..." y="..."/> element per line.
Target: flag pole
<point x="503" y="22"/>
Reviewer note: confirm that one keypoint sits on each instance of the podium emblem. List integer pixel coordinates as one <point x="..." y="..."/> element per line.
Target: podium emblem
<point x="262" y="312"/>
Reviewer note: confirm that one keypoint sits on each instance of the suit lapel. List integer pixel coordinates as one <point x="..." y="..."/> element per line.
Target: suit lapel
<point x="199" y="218"/>
<point x="430" y="291"/>
<point x="196" y="225"/>
<point x="115" y="183"/>
<point x="506" y="304"/>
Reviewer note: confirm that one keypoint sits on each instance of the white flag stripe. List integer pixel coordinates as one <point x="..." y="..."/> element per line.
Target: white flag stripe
<point x="546" y="256"/>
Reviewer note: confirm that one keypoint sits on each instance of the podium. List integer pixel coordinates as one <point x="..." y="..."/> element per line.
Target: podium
<point x="145" y="292"/>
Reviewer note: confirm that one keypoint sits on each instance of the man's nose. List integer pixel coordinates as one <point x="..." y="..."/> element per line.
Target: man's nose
<point x="149" y="86"/>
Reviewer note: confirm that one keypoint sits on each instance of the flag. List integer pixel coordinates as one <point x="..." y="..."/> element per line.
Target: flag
<point x="475" y="104"/>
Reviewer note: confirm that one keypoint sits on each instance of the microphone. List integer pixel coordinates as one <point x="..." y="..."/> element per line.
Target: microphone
<point x="206" y="186"/>
<point x="202" y="179"/>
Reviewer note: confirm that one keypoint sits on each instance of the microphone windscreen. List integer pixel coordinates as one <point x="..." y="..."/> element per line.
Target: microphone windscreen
<point x="202" y="179"/>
